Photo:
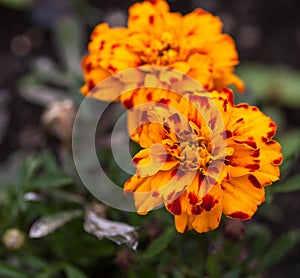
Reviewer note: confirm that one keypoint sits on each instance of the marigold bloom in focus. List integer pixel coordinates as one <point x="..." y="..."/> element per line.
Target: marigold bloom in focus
<point x="184" y="166"/>
<point x="192" y="44"/>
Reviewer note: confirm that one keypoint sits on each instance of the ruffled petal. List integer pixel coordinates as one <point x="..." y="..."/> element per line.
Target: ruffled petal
<point x="198" y="48"/>
<point x="93" y="74"/>
<point x="143" y="192"/>
<point x="194" y="212"/>
<point x="201" y="69"/>
<point x="208" y="220"/>
<point x="200" y="22"/>
<point x="149" y="161"/>
<point x="147" y="16"/>
<point x="270" y="159"/>
<point x="237" y="164"/>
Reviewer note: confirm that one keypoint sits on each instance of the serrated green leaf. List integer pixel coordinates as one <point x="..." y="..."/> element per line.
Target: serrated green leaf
<point x="45" y="70"/>
<point x="30" y="167"/>
<point x="290" y="185"/>
<point x="49" y="162"/>
<point x="49" y="181"/>
<point x="279" y="249"/>
<point x="41" y="94"/>
<point x="68" y="36"/>
<point x="9" y="271"/>
<point x="160" y="243"/>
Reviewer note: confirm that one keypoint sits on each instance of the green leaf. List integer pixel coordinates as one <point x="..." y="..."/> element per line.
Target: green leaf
<point x="160" y="243"/>
<point x="269" y="83"/>
<point x="289" y="85"/>
<point x="41" y="94"/>
<point x="45" y="70"/>
<point x="64" y="196"/>
<point x="261" y="239"/>
<point x="271" y="212"/>
<point x="49" y="180"/>
<point x="213" y="266"/>
<point x="290" y="185"/>
<point x="279" y="249"/>
<point x="257" y="78"/>
<point x="11" y="272"/>
<point x="51" y="270"/>
<point x="29" y="168"/>
<point x="17" y="4"/>
<point x="9" y="170"/>
<point x="235" y="273"/>
<point x="277" y="115"/>
<point x="290" y="144"/>
<point x="49" y="162"/>
<point x="73" y="272"/>
<point x="68" y="38"/>
<point x="34" y="262"/>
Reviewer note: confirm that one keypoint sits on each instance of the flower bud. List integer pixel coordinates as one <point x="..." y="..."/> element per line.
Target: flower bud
<point x="58" y="119"/>
<point x="234" y="230"/>
<point x="13" y="239"/>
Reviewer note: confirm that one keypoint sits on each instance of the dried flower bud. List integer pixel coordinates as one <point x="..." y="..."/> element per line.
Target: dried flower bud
<point x="98" y="209"/>
<point x="13" y="239"/>
<point x="153" y="228"/>
<point x="234" y="230"/>
<point x="58" y="119"/>
<point x="125" y="258"/>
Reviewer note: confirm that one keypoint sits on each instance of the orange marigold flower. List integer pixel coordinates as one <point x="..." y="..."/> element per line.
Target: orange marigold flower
<point x="193" y="44"/>
<point x="200" y="168"/>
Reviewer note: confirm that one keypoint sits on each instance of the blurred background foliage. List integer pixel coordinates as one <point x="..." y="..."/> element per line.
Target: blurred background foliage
<point x="51" y="226"/>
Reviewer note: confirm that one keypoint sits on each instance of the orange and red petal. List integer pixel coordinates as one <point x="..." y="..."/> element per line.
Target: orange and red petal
<point x="241" y="196"/>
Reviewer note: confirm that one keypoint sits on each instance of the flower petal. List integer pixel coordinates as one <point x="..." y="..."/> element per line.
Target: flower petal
<point x="150" y="161"/>
<point x="183" y="222"/>
<point x="241" y="196"/>
<point x="201" y="69"/>
<point x="144" y="193"/>
<point x="270" y="158"/>
<point x="147" y="16"/>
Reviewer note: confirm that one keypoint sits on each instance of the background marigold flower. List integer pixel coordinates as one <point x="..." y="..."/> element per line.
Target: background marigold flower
<point x="198" y="182"/>
<point x="193" y="44"/>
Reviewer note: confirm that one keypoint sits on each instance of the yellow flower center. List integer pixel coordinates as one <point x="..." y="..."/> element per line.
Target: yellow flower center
<point x="161" y="51"/>
<point x="193" y="152"/>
